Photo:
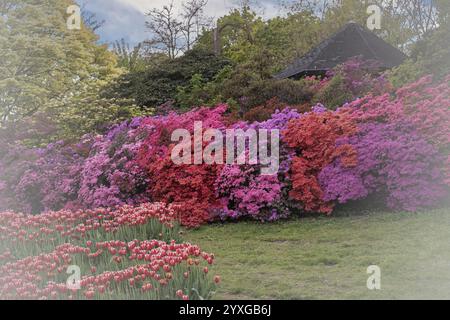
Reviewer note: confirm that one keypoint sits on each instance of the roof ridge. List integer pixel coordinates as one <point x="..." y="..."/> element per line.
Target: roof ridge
<point x="358" y="27"/>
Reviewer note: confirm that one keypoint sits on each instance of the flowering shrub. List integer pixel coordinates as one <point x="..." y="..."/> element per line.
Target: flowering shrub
<point x="355" y="78"/>
<point x="52" y="181"/>
<point x="187" y="185"/>
<point x="242" y="189"/>
<point x="313" y="137"/>
<point x="110" y="176"/>
<point x="402" y="148"/>
<point x="14" y="162"/>
<point x="394" y="161"/>
<point x="393" y="145"/>
<point x="423" y="104"/>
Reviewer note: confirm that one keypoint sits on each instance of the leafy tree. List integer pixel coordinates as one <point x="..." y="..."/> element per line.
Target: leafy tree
<point x="48" y="71"/>
<point x="134" y="59"/>
<point x="429" y="56"/>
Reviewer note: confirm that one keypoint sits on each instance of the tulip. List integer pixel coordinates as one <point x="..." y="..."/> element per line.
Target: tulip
<point x="89" y="294"/>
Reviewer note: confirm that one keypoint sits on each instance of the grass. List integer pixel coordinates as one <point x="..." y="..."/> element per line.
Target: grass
<point x="327" y="257"/>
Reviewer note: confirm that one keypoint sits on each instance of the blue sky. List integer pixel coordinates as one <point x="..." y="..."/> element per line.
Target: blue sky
<point x="126" y="18"/>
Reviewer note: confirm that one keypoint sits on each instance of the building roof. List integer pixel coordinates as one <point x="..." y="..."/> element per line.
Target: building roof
<point x="352" y="40"/>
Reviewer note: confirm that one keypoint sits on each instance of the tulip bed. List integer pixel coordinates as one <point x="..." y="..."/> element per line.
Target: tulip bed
<point x="36" y="252"/>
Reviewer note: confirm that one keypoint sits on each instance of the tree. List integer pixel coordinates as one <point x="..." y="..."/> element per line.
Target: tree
<point x="134" y="60"/>
<point x="194" y="21"/>
<point x="47" y="71"/>
<point x="269" y="45"/>
<point x="421" y="15"/>
<point x="166" y="30"/>
<point x="176" y="33"/>
<point x="403" y="21"/>
<point x="319" y="8"/>
<point x="90" y="19"/>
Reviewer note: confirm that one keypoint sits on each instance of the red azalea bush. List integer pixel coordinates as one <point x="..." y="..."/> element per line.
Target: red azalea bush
<point x="187" y="185"/>
<point x="313" y="137"/>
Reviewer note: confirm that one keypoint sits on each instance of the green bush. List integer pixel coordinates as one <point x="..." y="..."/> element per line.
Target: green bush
<point x="159" y="84"/>
<point x="334" y="94"/>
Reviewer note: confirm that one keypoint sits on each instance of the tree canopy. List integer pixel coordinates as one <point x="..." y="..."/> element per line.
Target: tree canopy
<point x="50" y="76"/>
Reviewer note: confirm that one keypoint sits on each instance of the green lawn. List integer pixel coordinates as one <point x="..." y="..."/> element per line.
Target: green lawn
<point x="327" y="257"/>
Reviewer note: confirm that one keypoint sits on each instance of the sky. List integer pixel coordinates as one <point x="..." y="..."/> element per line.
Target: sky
<point x="126" y="18"/>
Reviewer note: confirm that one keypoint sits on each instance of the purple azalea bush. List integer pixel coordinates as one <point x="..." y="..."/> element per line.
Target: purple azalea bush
<point x="110" y="175"/>
<point x="395" y="161"/>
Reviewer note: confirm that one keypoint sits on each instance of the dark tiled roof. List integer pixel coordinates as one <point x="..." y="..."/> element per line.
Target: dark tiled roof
<point x="352" y="40"/>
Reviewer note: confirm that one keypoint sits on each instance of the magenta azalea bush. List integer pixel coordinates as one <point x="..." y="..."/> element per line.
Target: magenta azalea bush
<point x="245" y="192"/>
<point x="389" y="145"/>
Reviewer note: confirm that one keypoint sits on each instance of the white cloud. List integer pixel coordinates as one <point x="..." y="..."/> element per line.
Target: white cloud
<point x="126" y="18"/>
<point x="215" y="8"/>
